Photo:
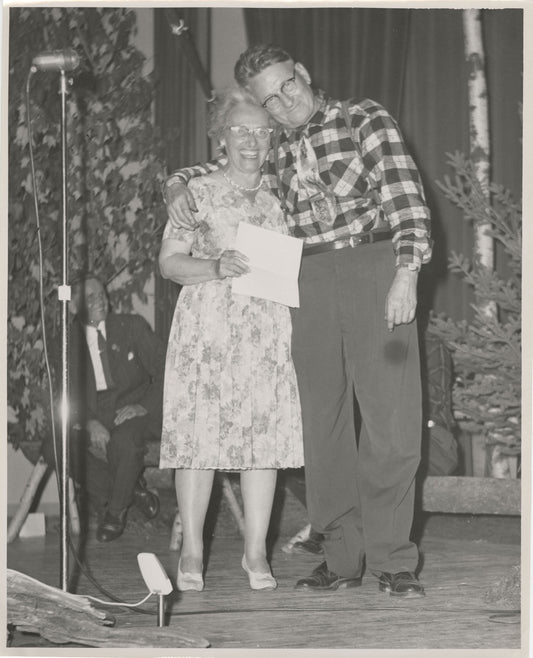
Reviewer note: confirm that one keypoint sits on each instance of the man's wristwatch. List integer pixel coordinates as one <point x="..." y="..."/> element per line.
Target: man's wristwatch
<point x="412" y="267"/>
<point x="173" y="178"/>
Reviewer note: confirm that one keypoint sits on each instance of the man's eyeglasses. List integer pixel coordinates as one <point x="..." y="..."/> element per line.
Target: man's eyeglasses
<point x="289" y="87"/>
<point x="242" y="132"/>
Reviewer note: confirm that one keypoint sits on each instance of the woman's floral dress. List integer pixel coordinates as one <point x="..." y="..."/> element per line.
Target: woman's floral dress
<point x="230" y="395"/>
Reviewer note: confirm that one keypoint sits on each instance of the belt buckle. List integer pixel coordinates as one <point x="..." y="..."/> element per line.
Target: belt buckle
<point x="354" y="240"/>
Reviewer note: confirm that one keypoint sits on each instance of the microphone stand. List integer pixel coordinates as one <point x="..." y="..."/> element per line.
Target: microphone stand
<point x="64" y="298"/>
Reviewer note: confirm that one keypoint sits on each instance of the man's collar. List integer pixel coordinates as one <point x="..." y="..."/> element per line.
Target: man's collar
<point x="89" y="328"/>
<point x="318" y="117"/>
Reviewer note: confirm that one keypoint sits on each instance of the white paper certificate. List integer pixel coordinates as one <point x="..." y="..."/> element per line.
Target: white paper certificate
<point x="274" y="265"/>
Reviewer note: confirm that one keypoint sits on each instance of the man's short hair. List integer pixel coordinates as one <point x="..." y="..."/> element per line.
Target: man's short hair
<point x="79" y="280"/>
<point x="256" y="59"/>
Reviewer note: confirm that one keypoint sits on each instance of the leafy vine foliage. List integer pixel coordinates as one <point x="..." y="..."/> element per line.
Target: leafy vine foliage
<point x="487" y="350"/>
<point x="115" y="169"/>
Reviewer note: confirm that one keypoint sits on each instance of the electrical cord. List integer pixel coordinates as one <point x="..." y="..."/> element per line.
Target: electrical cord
<point x="126" y="605"/>
<point x="41" y="276"/>
<point x="85" y="570"/>
<point x="40" y="249"/>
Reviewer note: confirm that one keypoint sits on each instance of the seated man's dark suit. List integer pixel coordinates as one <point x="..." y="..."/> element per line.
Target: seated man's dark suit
<point x="136" y="360"/>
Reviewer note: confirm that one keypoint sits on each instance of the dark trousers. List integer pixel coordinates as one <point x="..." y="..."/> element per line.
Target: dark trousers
<point x="360" y="495"/>
<point x="112" y="483"/>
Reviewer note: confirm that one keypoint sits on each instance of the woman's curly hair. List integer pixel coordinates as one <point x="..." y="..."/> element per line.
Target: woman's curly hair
<point x="224" y="102"/>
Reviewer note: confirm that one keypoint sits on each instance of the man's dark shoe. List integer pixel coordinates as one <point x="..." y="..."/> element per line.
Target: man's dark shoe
<point x="145" y="500"/>
<point x="404" y="583"/>
<point x="324" y="579"/>
<point x="111" y="526"/>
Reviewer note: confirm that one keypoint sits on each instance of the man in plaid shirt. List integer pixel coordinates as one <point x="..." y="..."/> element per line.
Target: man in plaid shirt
<point x="352" y="192"/>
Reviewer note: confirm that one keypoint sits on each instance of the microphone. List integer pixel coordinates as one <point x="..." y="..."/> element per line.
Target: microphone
<point x="57" y="60"/>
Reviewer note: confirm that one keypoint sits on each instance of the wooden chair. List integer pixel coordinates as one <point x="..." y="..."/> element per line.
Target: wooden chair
<point x="39" y="471"/>
<point x="151" y="461"/>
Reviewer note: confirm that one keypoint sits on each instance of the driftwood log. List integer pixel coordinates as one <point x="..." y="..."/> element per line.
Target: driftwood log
<point x="61" y="618"/>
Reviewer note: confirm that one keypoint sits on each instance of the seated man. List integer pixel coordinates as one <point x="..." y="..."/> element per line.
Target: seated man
<point x="116" y="383"/>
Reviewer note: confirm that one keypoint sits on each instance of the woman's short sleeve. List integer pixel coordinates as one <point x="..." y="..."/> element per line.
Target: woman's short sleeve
<point x="186" y="235"/>
<point x="183" y="235"/>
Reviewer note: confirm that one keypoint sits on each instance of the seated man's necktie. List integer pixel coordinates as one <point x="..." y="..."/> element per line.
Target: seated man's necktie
<point x="102" y="348"/>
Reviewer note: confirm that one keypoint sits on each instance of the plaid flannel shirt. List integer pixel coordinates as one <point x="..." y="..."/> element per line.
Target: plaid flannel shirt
<point x="375" y="181"/>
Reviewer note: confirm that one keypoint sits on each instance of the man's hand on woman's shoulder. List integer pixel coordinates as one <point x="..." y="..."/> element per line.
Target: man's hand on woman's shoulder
<point x="180" y="204"/>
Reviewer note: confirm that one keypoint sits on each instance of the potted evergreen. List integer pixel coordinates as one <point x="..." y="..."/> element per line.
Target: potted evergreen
<point x="487" y="349"/>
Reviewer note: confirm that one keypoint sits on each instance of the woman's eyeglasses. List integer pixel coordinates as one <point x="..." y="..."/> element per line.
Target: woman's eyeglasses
<point x="242" y="132"/>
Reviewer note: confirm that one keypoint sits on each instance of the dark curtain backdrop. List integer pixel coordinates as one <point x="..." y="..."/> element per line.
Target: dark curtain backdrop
<point x="180" y="114"/>
<point x="348" y="52"/>
<point x="412" y="61"/>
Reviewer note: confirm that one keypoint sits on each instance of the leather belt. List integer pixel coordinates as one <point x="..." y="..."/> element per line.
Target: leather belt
<point x="353" y="241"/>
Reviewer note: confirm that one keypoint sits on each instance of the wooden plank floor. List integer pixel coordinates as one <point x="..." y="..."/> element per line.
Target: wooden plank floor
<point x="453" y="615"/>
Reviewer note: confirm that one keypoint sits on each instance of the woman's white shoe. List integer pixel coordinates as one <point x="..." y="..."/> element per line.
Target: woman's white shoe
<point x="188" y="581"/>
<point x="257" y="579"/>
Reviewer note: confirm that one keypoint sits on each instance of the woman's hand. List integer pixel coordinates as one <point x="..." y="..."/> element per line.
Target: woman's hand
<point x="231" y="263"/>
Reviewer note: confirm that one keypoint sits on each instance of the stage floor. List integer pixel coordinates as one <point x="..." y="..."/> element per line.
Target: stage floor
<point x="459" y="567"/>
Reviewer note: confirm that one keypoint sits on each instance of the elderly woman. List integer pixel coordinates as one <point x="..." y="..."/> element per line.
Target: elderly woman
<point x="230" y="395"/>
